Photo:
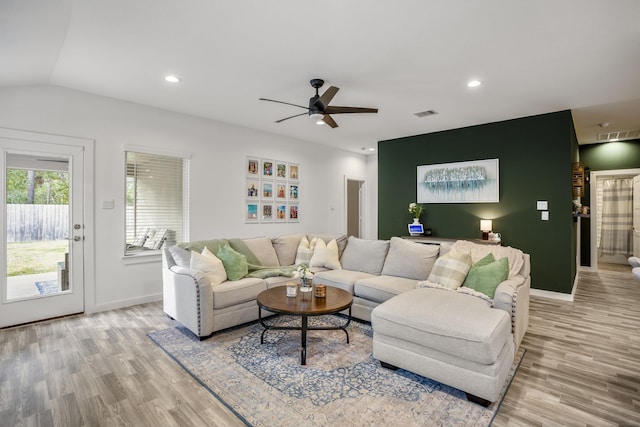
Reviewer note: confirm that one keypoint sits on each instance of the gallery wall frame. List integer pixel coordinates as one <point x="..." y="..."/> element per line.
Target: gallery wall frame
<point x="272" y="191"/>
<point x="475" y="181"/>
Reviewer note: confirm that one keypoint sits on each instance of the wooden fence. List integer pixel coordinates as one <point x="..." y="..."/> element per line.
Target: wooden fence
<point x="37" y="222"/>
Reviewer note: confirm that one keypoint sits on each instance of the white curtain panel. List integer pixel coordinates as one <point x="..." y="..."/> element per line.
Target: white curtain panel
<point x="617" y="215"/>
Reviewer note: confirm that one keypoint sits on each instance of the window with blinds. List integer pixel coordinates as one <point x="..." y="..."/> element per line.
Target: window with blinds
<point x="155" y="200"/>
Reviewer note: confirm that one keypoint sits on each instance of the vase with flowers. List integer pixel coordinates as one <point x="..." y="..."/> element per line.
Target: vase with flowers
<point x="306" y="276"/>
<point x="416" y="211"/>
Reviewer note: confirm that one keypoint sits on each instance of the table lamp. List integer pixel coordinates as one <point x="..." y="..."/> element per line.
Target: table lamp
<point x="486" y="226"/>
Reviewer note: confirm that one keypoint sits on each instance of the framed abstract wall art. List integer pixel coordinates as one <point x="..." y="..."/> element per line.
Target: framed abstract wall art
<point x="474" y="181"/>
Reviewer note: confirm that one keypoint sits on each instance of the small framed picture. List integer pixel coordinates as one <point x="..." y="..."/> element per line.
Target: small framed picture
<point x="281" y="170"/>
<point x="293" y="191"/>
<point x="281" y="212"/>
<point x="251" y="212"/>
<point x="267" y="168"/>
<point x="267" y="190"/>
<point x="281" y="191"/>
<point x="266" y="212"/>
<point x="253" y="189"/>
<point x="294" y="172"/>
<point x="293" y="213"/>
<point x="253" y="167"/>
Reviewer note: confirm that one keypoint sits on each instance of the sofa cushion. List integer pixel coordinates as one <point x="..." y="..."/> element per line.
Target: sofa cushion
<point x="381" y="288"/>
<point x="340" y="239"/>
<point x="199" y="245"/>
<point x="236" y="292"/>
<point x="286" y="247"/>
<point x="260" y="247"/>
<point x="450" y="322"/>
<point x="364" y="255"/>
<point x="209" y="265"/>
<point x="305" y="251"/>
<point x="343" y="279"/>
<point x="486" y="278"/>
<point x="325" y="255"/>
<point x="409" y="259"/>
<point x="451" y="269"/>
<point x="235" y="264"/>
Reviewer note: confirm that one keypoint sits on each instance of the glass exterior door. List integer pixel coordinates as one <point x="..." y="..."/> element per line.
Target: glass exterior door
<point x="43" y="242"/>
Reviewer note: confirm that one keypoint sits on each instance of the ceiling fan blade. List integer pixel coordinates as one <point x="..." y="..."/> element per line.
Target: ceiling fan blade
<point x="345" y="110"/>
<point x="282" y="102"/>
<point x="328" y="120"/>
<point x="287" y="118"/>
<point x="326" y="97"/>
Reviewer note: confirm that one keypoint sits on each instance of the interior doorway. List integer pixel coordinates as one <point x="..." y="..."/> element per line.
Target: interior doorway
<point x="612" y="219"/>
<point x="354" y="191"/>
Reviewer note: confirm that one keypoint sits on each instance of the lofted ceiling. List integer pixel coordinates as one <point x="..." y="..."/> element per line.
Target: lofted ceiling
<point x="401" y="57"/>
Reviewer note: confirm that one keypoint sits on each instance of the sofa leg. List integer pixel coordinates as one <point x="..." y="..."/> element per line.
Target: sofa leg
<point x="475" y="399"/>
<point x="388" y="366"/>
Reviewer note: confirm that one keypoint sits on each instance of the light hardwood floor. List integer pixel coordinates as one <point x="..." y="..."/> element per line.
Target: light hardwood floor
<point x="582" y="367"/>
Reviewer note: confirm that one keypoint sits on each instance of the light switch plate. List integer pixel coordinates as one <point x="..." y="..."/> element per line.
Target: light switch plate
<point x="544" y="215"/>
<point x="542" y="205"/>
<point x="108" y="204"/>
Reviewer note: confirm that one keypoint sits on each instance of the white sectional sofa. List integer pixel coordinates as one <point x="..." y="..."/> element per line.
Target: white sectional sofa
<point x="457" y="336"/>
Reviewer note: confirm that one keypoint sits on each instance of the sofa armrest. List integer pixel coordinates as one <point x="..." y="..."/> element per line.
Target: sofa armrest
<point x="512" y="296"/>
<point x="187" y="298"/>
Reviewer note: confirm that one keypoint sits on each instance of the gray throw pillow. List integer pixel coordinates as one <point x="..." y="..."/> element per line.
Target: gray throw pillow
<point x="364" y="255"/>
<point x="410" y="259"/>
<point x="182" y="257"/>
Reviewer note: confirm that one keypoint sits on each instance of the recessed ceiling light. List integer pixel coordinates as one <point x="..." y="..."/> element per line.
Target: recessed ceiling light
<point x="172" y="79"/>
<point x="474" y="83"/>
<point x="372" y="149"/>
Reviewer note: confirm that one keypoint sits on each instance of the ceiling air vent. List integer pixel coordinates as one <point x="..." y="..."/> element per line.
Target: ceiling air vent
<point x="622" y="135"/>
<point x="425" y="113"/>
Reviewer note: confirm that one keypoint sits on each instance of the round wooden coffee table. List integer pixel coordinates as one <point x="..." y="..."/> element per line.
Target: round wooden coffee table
<point x="276" y="300"/>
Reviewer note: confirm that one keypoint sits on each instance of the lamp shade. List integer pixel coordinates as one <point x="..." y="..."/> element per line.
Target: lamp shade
<point x="486" y="225"/>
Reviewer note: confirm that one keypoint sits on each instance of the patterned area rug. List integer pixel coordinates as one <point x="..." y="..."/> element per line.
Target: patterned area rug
<point x="342" y="384"/>
<point x="48" y="287"/>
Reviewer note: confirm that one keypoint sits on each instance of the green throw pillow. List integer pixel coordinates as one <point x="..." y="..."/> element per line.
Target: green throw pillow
<point x="235" y="264"/>
<point x="486" y="278"/>
<point x="488" y="259"/>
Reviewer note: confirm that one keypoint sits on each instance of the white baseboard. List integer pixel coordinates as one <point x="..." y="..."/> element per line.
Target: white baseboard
<point x="123" y="303"/>
<point x="551" y="295"/>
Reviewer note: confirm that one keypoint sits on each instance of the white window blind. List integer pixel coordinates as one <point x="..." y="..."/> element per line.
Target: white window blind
<point x="156" y="201"/>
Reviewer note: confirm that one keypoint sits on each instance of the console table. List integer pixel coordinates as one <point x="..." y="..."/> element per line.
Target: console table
<point x="431" y="240"/>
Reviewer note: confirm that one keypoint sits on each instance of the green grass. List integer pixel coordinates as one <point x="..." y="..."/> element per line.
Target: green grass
<point x="35" y="257"/>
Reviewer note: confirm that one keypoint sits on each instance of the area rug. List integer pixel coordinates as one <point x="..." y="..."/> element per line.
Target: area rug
<point x="47" y="287"/>
<point x="342" y="384"/>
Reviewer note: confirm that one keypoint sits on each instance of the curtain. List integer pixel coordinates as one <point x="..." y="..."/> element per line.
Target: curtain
<point x="617" y="216"/>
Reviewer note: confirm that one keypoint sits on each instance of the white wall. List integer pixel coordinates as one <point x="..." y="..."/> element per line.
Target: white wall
<point x="217" y="177"/>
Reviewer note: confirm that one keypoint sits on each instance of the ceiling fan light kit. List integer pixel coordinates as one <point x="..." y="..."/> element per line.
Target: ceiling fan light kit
<point x="319" y="108"/>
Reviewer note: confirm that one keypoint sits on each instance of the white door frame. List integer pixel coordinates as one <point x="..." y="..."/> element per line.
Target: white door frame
<point x="362" y="196"/>
<point x="594" y="208"/>
<point x="87" y="145"/>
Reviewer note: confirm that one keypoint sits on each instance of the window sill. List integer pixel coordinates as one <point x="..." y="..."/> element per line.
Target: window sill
<point x="142" y="257"/>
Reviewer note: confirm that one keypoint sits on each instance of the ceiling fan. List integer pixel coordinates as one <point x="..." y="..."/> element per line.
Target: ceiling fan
<point x="319" y="107"/>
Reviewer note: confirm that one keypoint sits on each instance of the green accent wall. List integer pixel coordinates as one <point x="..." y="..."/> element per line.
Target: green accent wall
<point x="604" y="157"/>
<point x="535" y="155"/>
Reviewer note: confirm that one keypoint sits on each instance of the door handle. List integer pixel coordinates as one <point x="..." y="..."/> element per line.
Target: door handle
<point x="75" y="238"/>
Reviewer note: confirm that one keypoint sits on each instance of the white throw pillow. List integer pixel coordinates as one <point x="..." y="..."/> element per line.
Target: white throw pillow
<point x="209" y="265"/>
<point x="326" y="255"/>
<point x="305" y="250"/>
